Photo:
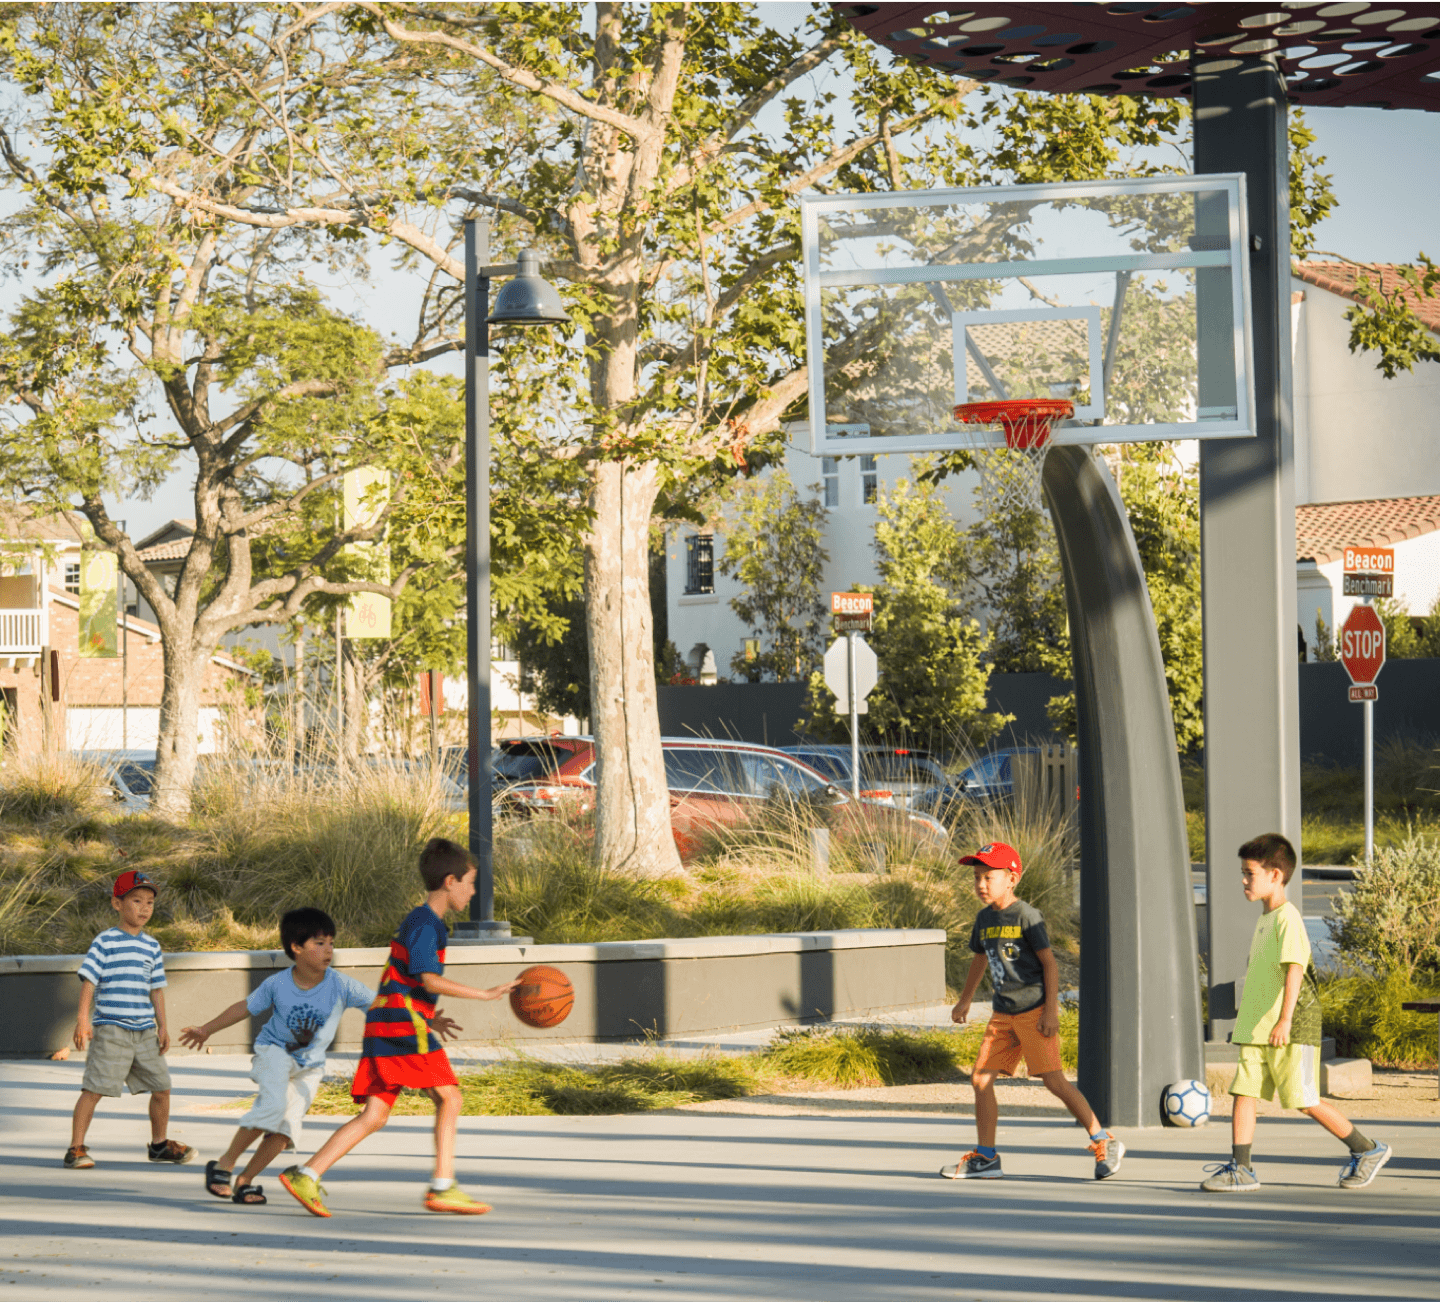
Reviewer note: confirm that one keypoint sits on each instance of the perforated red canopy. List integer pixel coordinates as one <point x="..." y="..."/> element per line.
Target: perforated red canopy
<point x="1370" y="55"/>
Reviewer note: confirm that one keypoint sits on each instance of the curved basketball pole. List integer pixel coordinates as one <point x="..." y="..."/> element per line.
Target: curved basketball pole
<point x="1140" y="1027"/>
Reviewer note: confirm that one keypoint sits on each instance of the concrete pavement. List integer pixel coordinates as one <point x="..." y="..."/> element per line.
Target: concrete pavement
<point x="705" y="1207"/>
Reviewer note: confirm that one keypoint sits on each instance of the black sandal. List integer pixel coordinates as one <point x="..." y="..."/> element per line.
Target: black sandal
<point x="213" y="1176"/>
<point x="249" y="1195"/>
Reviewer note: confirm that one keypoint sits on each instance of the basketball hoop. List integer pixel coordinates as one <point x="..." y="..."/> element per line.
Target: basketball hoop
<point x="1011" y="475"/>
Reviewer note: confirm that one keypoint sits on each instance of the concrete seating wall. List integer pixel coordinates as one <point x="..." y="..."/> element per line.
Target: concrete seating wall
<point x="623" y="990"/>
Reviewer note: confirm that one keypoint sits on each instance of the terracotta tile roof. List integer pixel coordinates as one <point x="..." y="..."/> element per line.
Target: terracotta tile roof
<point x="1324" y="529"/>
<point x="170" y="551"/>
<point x="1340" y="277"/>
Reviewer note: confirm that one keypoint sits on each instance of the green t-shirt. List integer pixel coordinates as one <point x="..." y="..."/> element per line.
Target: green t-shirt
<point x="1279" y="940"/>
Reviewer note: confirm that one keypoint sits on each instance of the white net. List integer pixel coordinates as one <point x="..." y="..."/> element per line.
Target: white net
<point x="1010" y="476"/>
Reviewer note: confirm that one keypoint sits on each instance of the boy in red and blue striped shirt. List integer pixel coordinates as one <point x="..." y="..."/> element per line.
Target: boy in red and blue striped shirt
<point x="402" y="1048"/>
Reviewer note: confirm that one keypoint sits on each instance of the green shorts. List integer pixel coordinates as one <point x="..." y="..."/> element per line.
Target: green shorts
<point x="1289" y="1072"/>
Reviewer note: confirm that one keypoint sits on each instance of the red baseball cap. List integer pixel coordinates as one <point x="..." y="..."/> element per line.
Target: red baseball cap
<point x="133" y="881"/>
<point x="996" y="855"/>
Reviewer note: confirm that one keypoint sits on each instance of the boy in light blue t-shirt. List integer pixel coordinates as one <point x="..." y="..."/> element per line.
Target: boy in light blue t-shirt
<point x="305" y="1005"/>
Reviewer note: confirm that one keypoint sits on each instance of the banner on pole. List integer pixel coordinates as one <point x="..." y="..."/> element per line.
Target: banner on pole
<point x="366" y="493"/>
<point x="99" y="605"/>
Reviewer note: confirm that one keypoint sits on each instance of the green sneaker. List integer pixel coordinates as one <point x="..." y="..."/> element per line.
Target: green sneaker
<point x="454" y="1199"/>
<point x="308" y="1192"/>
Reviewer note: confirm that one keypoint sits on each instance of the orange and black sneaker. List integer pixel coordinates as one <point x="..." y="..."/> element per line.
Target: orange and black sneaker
<point x="1109" y="1152"/>
<point x="78" y="1158"/>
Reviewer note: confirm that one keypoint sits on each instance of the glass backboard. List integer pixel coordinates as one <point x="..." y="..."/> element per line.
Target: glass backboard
<point x="1130" y="298"/>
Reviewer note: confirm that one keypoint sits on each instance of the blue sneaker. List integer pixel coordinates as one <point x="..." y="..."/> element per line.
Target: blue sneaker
<point x="1230" y="1177"/>
<point x="1364" y="1167"/>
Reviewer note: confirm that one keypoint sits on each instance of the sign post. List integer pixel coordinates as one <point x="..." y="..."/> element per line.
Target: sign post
<point x="852" y="671"/>
<point x="1362" y="652"/>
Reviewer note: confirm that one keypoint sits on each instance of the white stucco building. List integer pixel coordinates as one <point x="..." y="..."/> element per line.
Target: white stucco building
<point x="1367" y="472"/>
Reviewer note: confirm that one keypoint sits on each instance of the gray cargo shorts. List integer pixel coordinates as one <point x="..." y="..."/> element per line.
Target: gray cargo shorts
<point x="120" y="1057"/>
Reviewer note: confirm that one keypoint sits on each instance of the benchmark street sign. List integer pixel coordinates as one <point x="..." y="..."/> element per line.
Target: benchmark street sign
<point x="852" y="611"/>
<point x="1362" y="649"/>
<point x="1369" y="572"/>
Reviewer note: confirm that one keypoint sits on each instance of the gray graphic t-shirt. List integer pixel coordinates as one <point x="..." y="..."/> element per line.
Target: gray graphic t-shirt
<point x="304" y="1022"/>
<point x="1009" y="938"/>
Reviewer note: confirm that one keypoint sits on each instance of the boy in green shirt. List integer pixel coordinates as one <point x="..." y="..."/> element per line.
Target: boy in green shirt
<point x="1278" y="1028"/>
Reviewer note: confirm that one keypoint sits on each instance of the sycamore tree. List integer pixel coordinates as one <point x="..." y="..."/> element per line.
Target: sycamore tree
<point x="151" y="338"/>
<point x="774" y="546"/>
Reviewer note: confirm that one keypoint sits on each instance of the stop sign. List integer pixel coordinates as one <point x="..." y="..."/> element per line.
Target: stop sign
<point x="1362" y="644"/>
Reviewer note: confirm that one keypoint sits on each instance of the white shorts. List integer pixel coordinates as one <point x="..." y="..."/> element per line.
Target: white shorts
<point x="286" y="1092"/>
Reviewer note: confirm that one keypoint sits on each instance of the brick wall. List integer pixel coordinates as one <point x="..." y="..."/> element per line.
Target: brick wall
<point x="86" y="682"/>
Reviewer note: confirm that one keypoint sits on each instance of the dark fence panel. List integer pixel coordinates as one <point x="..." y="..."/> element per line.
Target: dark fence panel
<point x="1331" y="727"/>
<point x="756" y="712"/>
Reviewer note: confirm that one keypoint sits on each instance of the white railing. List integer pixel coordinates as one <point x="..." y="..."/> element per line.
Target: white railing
<point x="23" y="632"/>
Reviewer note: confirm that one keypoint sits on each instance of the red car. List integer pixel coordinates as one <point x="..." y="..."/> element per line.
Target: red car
<point x="713" y="784"/>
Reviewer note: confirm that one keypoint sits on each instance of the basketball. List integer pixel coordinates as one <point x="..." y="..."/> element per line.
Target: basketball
<point x="544" y="996"/>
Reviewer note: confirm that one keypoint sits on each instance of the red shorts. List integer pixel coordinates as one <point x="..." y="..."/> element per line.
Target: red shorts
<point x="1012" y="1036"/>
<point x="386" y="1077"/>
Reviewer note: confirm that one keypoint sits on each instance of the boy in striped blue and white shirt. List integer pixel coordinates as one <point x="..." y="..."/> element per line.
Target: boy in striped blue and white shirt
<point x="122" y="1020"/>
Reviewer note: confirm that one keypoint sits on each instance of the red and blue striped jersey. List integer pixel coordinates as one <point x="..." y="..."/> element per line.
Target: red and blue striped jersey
<point x="398" y="1022"/>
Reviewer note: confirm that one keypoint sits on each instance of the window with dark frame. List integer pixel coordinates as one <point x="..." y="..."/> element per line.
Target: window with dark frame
<point x="869" y="480"/>
<point x="699" y="564"/>
<point x="72" y="577"/>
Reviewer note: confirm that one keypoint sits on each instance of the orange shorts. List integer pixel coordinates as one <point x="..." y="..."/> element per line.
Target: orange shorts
<point x="1012" y="1036"/>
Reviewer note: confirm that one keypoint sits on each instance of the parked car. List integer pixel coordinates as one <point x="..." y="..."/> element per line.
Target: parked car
<point x="991" y="777"/>
<point x="129" y="776"/>
<point x="716" y="784"/>
<point x="518" y="762"/>
<point x="893" y="774"/>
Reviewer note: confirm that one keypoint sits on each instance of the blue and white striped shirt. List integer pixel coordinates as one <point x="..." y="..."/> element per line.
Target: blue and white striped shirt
<point x="124" y="969"/>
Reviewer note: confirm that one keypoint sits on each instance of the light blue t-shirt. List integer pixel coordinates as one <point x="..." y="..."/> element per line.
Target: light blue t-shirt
<point x="304" y="1022"/>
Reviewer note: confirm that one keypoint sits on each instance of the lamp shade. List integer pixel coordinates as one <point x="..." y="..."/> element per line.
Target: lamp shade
<point x="528" y="299"/>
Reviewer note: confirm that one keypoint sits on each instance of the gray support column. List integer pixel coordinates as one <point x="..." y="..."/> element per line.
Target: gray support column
<point x="1139" y="980"/>
<point x="1247" y="529"/>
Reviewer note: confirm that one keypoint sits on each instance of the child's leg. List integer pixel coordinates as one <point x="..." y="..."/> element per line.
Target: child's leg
<point x="244" y="1137"/>
<point x="159" y="1115"/>
<point x="448" y="1101"/>
<point x="270" y="1148"/>
<point x="84" y="1112"/>
<point x="1070" y="1096"/>
<point x="1332" y="1119"/>
<point x="372" y="1117"/>
<point x="987" y="1108"/>
<point x="1242" y="1120"/>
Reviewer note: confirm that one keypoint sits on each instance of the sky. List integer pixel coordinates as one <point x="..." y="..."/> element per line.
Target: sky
<point x="1382" y="170"/>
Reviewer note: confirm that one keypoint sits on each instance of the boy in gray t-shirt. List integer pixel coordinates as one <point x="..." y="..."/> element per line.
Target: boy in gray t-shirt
<point x="305" y="1005"/>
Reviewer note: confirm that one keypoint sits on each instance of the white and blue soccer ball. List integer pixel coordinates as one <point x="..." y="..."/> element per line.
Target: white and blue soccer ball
<point x="1186" y="1103"/>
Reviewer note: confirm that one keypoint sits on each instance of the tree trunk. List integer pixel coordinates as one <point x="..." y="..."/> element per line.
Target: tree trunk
<point x="179" y="742"/>
<point x="632" y="815"/>
<point x="357" y="705"/>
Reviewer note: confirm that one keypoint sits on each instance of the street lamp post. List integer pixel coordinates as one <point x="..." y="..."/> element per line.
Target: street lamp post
<point x="525" y="300"/>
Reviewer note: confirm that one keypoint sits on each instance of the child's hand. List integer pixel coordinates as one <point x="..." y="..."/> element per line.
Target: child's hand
<point x="499" y="992"/>
<point x="163" y="1036"/>
<point x="1280" y="1036"/>
<point x="960" y="1012"/>
<point x="84" y="1033"/>
<point x="447" y="1028"/>
<point x="1049" y="1023"/>
<point x="194" y="1037"/>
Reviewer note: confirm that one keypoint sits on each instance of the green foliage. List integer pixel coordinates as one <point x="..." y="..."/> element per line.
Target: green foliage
<point x="1385" y="322"/>
<point x="1408" y="637"/>
<point x="56" y="788"/>
<point x="1326" y="648"/>
<point x="1390" y="922"/>
<point x="1162" y="500"/>
<point x="870" y="1055"/>
<point x="1312" y="198"/>
<point x="1365" y="1016"/>
<point x="774" y="546"/>
<point x="930" y="648"/>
